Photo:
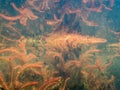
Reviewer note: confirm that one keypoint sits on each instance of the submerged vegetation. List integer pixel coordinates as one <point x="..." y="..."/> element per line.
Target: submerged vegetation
<point x="43" y="48"/>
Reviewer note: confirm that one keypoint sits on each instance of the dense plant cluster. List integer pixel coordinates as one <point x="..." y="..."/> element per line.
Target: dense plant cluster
<point x="58" y="57"/>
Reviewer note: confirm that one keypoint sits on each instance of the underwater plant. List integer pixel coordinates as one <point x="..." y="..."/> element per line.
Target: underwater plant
<point x="69" y="41"/>
<point x="63" y="57"/>
<point x="25" y="14"/>
<point x="12" y="56"/>
<point x="66" y="59"/>
<point x="15" y="74"/>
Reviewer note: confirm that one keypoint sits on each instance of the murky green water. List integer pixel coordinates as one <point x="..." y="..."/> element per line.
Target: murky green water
<point x="59" y="44"/>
